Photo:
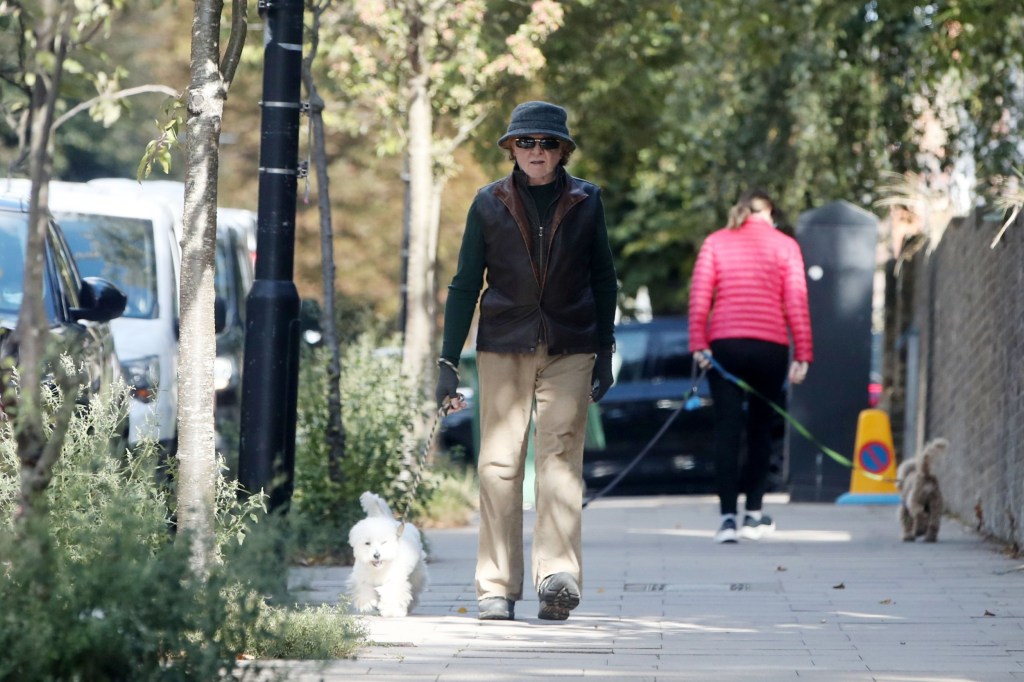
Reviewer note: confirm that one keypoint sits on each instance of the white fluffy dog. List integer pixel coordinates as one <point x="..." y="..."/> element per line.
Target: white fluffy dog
<point x="390" y="569"/>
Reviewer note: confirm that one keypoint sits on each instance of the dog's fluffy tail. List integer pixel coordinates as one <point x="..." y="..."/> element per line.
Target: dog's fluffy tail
<point x="931" y="449"/>
<point x="374" y="505"/>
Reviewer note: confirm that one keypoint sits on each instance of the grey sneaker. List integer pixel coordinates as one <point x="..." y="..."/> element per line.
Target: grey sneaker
<point x="559" y="593"/>
<point x="755" y="530"/>
<point x="496" y="608"/>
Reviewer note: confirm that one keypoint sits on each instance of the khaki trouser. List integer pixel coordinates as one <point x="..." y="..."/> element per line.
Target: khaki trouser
<point x="512" y="386"/>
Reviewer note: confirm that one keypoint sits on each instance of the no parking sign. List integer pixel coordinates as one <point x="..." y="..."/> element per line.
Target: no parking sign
<point x="875" y="456"/>
<point x="873" y="480"/>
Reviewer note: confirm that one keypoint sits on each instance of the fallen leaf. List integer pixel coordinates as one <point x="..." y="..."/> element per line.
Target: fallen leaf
<point x="989" y="613"/>
<point x="840" y="586"/>
<point x="885" y="601"/>
<point x="780" y="568"/>
<point x="462" y="609"/>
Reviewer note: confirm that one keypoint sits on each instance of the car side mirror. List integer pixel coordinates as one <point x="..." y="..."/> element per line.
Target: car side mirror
<point x="100" y="300"/>
<point x="220" y="315"/>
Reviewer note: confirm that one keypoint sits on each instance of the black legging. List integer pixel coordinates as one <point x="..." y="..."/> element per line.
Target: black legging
<point x="763" y="365"/>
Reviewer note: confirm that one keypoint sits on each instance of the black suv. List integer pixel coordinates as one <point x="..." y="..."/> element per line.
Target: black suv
<point x="653" y="376"/>
<point x="77" y="309"/>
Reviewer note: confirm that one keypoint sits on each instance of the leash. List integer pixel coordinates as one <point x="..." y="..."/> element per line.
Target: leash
<point x="691" y="402"/>
<point x="421" y="461"/>
<point x="797" y="426"/>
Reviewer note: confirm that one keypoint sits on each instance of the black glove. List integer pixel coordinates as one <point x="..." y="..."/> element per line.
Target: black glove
<point x="447" y="381"/>
<point x="601" y="378"/>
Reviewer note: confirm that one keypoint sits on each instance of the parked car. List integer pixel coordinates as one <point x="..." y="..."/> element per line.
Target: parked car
<point x="233" y="278"/>
<point x="78" y="309"/>
<point x="132" y="243"/>
<point x="653" y="376"/>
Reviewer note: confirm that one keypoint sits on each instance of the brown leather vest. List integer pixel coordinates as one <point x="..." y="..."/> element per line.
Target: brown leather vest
<point x="522" y="304"/>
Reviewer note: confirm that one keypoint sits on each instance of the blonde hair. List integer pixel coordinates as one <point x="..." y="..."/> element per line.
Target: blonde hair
<point x="751" y="201"/>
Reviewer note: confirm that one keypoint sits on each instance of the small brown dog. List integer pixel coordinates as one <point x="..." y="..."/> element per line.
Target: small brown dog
<point x="920" y="495"/>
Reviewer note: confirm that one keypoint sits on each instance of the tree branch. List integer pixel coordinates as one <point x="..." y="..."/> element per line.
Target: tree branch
<point x="465" y="130"/>
<point x="120" y="94"/>
<point x="54" y="445"/>
<point x="233" y="53"/>
<point x="86" y="34"/>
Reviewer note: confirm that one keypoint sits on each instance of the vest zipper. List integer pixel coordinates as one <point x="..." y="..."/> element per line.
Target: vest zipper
<point x="540" y="253"/>
<point x="540" y="267"/>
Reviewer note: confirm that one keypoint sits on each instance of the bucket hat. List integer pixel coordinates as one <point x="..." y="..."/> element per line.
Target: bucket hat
<point x="537" y="118"/>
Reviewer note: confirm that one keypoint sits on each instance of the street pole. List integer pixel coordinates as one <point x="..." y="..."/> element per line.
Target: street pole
<point x="270" y="370"/>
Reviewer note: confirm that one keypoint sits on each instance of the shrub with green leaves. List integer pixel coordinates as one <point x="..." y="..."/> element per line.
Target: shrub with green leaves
<point x="379" y="414"/>
<point x="97" y="587"/>
<point x="119" y="610"/>
<point x="314" y="633"/>
<point x="454" y="491"/>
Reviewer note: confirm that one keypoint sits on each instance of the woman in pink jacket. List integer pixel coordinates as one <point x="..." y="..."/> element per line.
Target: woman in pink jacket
<point x="748" y="298"/>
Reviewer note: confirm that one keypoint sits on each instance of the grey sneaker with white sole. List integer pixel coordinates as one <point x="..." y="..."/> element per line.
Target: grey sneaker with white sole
<point x="496" y="608"/>
<point x="559" y="593"/>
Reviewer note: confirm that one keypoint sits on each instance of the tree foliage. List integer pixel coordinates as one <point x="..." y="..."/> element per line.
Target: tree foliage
<point x="681" y="107"/>
<point x="419" y="76"/>
<point x="368" y="70"/>
<point x="93" y="81"/>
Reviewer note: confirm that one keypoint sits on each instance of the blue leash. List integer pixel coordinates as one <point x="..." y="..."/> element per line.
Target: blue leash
<point x="692" y="402"/>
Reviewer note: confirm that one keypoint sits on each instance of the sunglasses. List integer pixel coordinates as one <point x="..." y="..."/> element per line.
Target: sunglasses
<point x="547" y="143"/>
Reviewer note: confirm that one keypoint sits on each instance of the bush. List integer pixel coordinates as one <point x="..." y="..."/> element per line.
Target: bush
<point x="118" y="611"/>
<point x="96" y="588"/>
<point x="378" y="414"/>
<point x="454" y="491"/>
<point x="308" y="632"/>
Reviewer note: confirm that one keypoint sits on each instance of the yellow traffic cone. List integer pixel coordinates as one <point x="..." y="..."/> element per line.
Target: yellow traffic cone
<point x="873" y="479"/>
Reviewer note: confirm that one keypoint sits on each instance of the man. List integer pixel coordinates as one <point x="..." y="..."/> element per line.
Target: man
<point x="544" y="350"/>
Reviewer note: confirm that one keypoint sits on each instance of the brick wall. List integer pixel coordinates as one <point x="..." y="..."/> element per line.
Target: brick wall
<point x="967" y="305"/>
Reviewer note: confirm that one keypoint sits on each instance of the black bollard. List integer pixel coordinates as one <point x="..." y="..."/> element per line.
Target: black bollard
<point x="270" y="372"/>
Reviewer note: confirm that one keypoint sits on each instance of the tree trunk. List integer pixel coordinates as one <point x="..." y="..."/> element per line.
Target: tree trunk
<point x="420" y="330"/>
<point x="197" y="466"/>
<point x="335" y="426"/>
<point x="37" y="450"/>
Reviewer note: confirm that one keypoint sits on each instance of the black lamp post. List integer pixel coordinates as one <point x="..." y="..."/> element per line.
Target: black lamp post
<point x="270" y="376"/>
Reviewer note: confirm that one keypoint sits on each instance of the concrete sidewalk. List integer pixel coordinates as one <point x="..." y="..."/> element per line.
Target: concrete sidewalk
<point x="832" y="596"/>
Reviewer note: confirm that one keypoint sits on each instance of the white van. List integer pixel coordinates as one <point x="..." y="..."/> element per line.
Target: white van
<point x="235" y="255"/>
<point x="133" y="244"/>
